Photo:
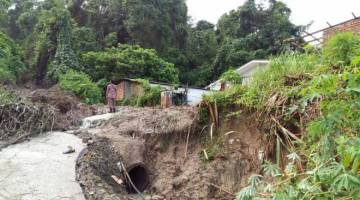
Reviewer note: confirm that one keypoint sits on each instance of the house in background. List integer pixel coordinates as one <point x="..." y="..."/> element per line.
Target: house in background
<point x="171" y="94"/>
<point x="245" y="71"/>
<point x="182" y="95"/>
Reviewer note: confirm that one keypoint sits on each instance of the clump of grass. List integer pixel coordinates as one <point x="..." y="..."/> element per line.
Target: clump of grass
<point x="6" y="96"/>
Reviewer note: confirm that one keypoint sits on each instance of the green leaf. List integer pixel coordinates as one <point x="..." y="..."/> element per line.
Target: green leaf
<point x="247" y="193"/>
<point x="254" y="180"/>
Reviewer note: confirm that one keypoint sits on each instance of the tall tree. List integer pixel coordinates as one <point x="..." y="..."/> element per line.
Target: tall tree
<point x="11" y="65"/>
<point x="201" y="49"/>
<point x="252" y="32"/>
<point x="65" y="57"/>
<point x="104" y="16"/>
<point x="21" y="18"/>
<point x="157" y="24"/>
<point x="53" y="39"/>
<point x="4" y="5"/>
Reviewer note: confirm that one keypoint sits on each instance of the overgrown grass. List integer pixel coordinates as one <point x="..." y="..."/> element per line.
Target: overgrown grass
<point x="317" y="95"/>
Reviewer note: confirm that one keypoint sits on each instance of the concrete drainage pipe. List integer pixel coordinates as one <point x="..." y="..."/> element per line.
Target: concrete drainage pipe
<point x="139" y="176"/>
<point x="132" y="154"/>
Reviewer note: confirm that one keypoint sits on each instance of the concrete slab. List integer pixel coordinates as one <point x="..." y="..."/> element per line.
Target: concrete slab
<point x="38" y="170"/>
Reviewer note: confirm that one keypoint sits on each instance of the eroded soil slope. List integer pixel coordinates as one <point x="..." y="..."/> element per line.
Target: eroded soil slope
<point x="169" y="144"/>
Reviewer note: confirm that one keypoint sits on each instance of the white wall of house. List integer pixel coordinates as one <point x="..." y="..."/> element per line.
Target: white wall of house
<point x="194" y="96"/>
<point x="245" y="71"/>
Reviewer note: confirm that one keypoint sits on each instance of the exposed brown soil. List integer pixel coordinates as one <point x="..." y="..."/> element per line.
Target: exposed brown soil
<point x="172" y="155"/>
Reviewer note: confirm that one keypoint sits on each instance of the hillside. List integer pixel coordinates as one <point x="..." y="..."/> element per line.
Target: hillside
<point x="308" y="108"/>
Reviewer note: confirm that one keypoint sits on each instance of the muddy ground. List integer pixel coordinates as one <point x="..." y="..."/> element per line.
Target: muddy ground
<point x="170" y="147"/>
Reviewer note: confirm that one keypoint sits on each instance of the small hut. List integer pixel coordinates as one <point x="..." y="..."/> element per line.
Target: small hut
<point x="129" y="88"/>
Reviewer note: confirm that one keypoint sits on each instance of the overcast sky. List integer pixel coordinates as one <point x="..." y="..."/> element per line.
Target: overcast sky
<point x="303" y="11"/>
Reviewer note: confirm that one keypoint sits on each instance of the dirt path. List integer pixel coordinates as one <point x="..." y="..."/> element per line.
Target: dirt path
<point x="38" y="170"/>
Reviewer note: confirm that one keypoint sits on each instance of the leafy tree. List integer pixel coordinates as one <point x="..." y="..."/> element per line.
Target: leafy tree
<point x="201" y="53"/>
<point x="11" y="65"/>
<point x="84" y="40"/>
<point x="54" y="41"/>
<point x="253" y="31"/>
<point x="4" y="4"/>
<point x="21" y="18"/>
<point x="201" y="49"/>
<point x="157" y="24"/>
<point x="103" y="17"/>
<point x="46" y="32"/>
<point x="129" y="61"/>
<point x="65" y="57"/>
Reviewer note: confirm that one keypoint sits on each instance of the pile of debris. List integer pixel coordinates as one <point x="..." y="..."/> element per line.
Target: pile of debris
<point x="39" y="111"/>
<point x="69" y="109"/>
<point x="20" y="120"/>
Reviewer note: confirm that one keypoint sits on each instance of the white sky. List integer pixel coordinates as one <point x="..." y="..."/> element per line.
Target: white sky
<point x="303" y="11"/>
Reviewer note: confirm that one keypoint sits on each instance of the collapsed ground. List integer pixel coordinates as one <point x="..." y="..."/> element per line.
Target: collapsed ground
<point x="181" y="159"/>
<point x="167" y="145"/>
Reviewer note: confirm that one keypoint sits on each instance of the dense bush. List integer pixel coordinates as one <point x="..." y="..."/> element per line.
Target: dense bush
<point x="11" y="66"/>
<point x="129" y="61"/>
<point x="342" y="48"/>
<point x="81" y="85"/>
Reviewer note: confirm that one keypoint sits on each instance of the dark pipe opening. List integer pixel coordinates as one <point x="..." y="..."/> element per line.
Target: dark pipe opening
<point x="140" y="178"/>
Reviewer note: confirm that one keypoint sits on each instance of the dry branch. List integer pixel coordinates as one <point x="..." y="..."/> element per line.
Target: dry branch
<point x="19" y="120"/>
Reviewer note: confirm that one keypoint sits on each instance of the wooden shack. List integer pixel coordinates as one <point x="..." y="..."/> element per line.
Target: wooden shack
<point x="166" y="99"/>
<point x="129" y="88"/>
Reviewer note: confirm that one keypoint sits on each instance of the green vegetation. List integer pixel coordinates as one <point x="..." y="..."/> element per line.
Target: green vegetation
<point x="151" y="95"/>
<point x="310" y="104"/>
<point x="65" y="57"/>
<point x="259" y="34"/>
<point x="129" y="61"/>
<point x="57" y="35"/>
<point x="232" y="77"/>
<point x="6" y="96"/>
<point x="342" y="49"/>
<point x="81" y="85"/>
<point x="11" y="66"/>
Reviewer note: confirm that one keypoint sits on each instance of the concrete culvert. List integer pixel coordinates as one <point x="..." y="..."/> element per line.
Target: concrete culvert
<point x="140" y="178"/>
